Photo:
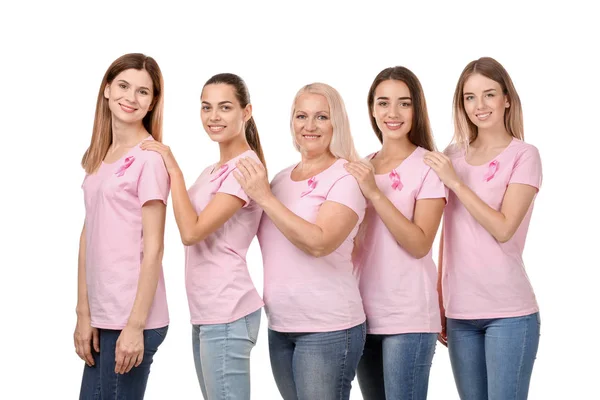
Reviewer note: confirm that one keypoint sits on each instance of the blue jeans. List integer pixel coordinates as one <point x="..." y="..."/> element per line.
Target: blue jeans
<point x="492" y="359"/>
<point x="396" y="366"/>
<point x="310" y="366"/>
<point x="222" y="357"/>
<point x="101" y="381"/>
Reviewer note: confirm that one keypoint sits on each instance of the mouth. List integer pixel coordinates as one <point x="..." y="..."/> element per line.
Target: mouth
<point x="311" y="137"/>
<point x="394" y="125"/>
<point x="483" y="116"/>
<point x="127" y="109"/>
<point x="216" y="128"/>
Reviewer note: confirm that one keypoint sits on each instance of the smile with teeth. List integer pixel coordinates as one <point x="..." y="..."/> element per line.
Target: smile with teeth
<point x="483" y="116"/>
<point x="127" y="109"/>
<point x="394" y="125"/>
<point x="216" y="128"/>
<point x="311" y="137"/>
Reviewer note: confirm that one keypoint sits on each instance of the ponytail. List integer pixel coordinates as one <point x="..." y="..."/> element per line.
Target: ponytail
<point x="254" y="141"/>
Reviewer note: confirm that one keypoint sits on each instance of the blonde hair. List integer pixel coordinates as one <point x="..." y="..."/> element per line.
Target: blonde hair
<point x="465" y="131"/>
<point x="102" y="131"/>
<point x="342" y="145"/>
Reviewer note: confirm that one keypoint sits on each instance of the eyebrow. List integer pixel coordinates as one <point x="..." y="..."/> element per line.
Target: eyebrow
<point x="485" y="91"/>
<point x="318" y="112"/>
<point x="220" y="103"/>
<point x="399" y="98"/>
<point x="124" y="81"/>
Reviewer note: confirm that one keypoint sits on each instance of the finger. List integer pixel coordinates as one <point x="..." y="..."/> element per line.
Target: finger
<point x="240" y="178"/>
<point x="250" y="165"/>
<point x="131" y="362"/>
<point x="362" y="167"/>
<point x="243" y="169"/>
<point x="125" y="364"/>
<point x="367" y="164"/>
<point x="96" y="340"/>
<point x="357" y="171"/>
<point x="140" y="358"/>
<point x="87" y="353"/>
<point x="119" y="360"/>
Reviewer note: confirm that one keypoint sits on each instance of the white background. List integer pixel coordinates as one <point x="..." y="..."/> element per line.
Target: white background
<point x="54" y="54"/>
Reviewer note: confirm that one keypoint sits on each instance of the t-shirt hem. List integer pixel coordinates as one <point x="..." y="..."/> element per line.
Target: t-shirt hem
<point x="102" y="325"/>
<point x="232" y="318"/>
<point x="493" y="315"/>
<point x="153" y="197"/>
<point x="312" y="329"/>
<point x="401" y="330"/>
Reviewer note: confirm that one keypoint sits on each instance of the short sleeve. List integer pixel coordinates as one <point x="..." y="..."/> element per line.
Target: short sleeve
<point x="527" y="168"/>
<point x="153" y="183"/>
<point x="431" y="187"/>
<point x="347" y="192"/>
<point x="230" y="185"/>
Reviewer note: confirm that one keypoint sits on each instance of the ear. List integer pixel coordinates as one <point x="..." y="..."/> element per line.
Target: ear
<point x="107" y="91"/>
<point x="506" y="102"/>
<point x="152" y="104"/>
<point x="247" y="112"/>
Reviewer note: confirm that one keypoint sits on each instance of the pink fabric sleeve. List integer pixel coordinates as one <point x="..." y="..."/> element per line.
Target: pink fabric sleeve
<point x="153" y="183"/>
<point x="347" y="192"/>
<point x="432" y="187"/>
<point x="231" y="186"/>
<point x="527" y="168"/>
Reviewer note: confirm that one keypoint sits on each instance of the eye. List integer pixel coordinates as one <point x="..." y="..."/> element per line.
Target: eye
<point x="225" y="108"/>
<point x="300" y="116"/>
<point x="122" y="86"/>
<point x="144" y="92"/>
<point x="469" y="97"/>
<point x="205" y="108"/>
<point x="382" y="104"/>
<point x="405" y="105"/>
<point x="490" y="95"/>
<point x="322" y="118"/>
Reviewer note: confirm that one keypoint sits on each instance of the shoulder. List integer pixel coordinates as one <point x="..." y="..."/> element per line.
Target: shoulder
<point x="454" y="150"/>
<point x="521" y="148"/>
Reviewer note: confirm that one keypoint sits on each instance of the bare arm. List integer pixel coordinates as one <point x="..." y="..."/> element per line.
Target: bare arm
<point x="415" y="236"/>
<point x="334" y="223"/>
<point x="194" y="228"/>
<point x="442" y="337"/>
<point x="502" y="224"/>
<point x="83" y="307"/>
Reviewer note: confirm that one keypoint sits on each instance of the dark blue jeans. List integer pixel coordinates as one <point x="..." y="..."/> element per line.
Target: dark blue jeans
<point x="311" y="366"/>
<point x="492" y="359"/>
<point x="396" y="366"/>
<point x="101" y="381"/>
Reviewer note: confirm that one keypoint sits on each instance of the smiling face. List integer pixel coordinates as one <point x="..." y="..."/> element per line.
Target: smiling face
<point x="222" y="116"/>
<point x="484" y="102"/>
<point x="130" y="95"/>
<point x="393" y="109"/>
<point x="312" y="126"/>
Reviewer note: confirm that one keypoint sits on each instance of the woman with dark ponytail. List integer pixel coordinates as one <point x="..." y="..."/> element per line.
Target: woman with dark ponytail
<point x="217" y="221"/>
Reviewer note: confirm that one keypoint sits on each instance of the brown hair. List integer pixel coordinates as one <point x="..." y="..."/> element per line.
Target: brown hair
<point x="465" y="131"/>
<point x="420" y="132"/>
<point x="102" y="131"/>
<point x="243" y="96"/>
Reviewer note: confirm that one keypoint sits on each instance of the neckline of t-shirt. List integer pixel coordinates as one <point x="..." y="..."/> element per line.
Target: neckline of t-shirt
<point x="315" y="175"/>
<point x="214" y="169"/>
<point x="485" y="164"/>
<point x="127" y="153"/>
<point x="397" y="166"/>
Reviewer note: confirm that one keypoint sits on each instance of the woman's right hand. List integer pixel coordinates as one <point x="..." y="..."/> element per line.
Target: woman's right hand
<point x="442" y="336"/>
<point x="85" y="337"/>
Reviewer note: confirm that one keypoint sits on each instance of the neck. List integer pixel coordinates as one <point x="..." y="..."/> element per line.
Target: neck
<point x="396" y="148"/>
<point x="492" y="137"/>
<point x="127" y="135"/>
<point x="313" y="162"/>
<point x="233" y="148"/>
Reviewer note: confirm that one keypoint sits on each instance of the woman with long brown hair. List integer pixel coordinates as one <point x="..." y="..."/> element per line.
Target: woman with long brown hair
<point x="217" y="222"/>
<point x="489" y="311"/>
<point x="393" y="255"/>
<point x="122" y="314"/>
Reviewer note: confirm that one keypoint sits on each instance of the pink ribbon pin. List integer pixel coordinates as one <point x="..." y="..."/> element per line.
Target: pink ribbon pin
<point x="312" y="184"/>
<point x="126" y="164"/>
<point x="396" y="182"/>
<point x="222" y="169"/>
<point x="492" y="169"/>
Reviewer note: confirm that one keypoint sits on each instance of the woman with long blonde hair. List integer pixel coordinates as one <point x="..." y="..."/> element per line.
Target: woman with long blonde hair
<point x="122" y="314"/>
<point x="312" y="211"/>
<point x="490" y="316"/>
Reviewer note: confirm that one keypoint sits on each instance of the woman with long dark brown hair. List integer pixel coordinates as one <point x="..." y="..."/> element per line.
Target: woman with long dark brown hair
<point x="122" y="314"/>
<point x="489" y="310"/>
<point x="217" y="222"/>
<point x="393" y="250"/>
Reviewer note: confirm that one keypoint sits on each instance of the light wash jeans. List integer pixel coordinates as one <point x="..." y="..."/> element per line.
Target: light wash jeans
<point x="222" y="357"/>
<point x="492" y="359"/>
<point x="396" y="366"/>
<point x="316" y="366"/>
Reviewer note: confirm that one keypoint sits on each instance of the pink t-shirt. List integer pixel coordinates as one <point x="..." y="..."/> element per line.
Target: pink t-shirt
<point x="303" y="293"/>
<point x="484" y="278"/>
<point x="114" y="197"/>
<point x="399" y="292"/>
<point x="219" y="287"/>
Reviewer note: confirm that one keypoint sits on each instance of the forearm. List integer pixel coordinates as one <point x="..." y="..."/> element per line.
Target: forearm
<point x="148" y="281"/>
<point x="304" y="235"/>
<point x="492" y="221"/>
<point x="83" y="308"/>
<point x="185" y="214"/>
<point x="408" y="234"/>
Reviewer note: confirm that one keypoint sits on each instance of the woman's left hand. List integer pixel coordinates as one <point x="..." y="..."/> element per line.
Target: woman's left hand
<point x="129" y="351"/>
<point x="252" y="176"/>
<point x="442" y="165"/>
<point x="165" y="152"/>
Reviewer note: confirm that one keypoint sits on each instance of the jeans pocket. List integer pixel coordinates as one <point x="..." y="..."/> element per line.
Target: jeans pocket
<point x="154" y="337"/>
<point x="253" y="325"/>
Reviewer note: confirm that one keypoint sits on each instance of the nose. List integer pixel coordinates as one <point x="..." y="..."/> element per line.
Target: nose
<point x="480" y="103"/>
<point x="310" y="125"/>
<point x="214" y="115"/>
<point x="130" y="96"/>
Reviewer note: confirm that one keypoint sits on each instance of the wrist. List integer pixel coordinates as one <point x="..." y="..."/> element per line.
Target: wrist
<point x="265" y="200"/>
<point x="82" y="312"/>
<point x="175" y="171"/>
<point x="455" y="185"/>
<point x="135" y="323"/>
<point x="374" y="195"/>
